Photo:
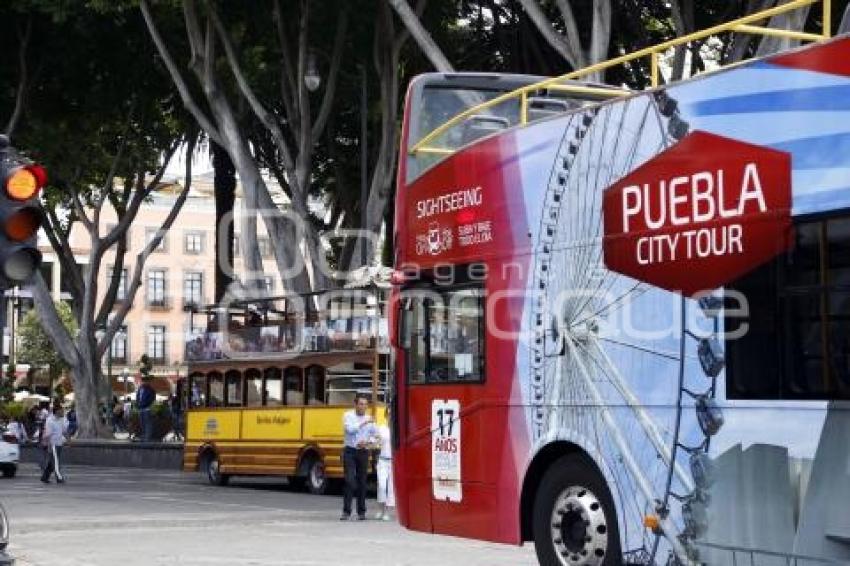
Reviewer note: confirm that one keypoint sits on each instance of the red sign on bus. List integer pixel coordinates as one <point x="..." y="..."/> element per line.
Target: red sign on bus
<point x="700" y="214"/>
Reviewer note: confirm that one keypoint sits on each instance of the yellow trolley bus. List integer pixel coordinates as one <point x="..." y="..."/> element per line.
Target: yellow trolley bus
<point x="269" y="382"/>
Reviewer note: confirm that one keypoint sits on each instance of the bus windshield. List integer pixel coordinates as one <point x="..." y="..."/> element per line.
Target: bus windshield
<point x="438" y="105"/>
<point x="446" y="336"/>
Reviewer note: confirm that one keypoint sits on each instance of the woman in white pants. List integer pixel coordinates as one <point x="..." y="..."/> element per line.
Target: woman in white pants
<point x="386" y="497"/>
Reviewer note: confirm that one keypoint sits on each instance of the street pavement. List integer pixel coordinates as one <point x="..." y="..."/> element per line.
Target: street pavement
<point x="133" y="517"/>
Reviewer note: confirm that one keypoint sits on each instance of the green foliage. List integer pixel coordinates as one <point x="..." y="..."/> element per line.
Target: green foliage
<point x="105" y="90"/>
<point x="12" y="410"/>
<point x="36" y="348"/>
<point x="7" y="387"/>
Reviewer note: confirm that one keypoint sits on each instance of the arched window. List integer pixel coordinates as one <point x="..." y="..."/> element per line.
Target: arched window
<point x="216" y="389"/>
<point x="315" y="385"/>
<point x="253" y="388"/>
<point x="233" y="387"/>
<point x="294" y="385"/>
<point x="197" y="390"/>
<point x="272" y="387"/>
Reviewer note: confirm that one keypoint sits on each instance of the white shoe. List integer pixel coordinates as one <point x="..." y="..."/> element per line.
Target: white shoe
<point x="379" y="516"/>
<point x="386" y="517"/>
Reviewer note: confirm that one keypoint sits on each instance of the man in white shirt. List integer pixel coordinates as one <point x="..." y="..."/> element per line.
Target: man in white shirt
<point x="53" y="439"/>
<point x="359" y="428"/>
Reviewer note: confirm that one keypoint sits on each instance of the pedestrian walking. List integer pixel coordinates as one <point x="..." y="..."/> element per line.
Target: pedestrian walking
<point x="40" y="421"/>
<point x="359" y="428"/>
<point x="386" y="494"/>
<point x="53" y="440"/>
<point x="72" y="421"/>
<point x="175" y="405"/>
<point x="117" y="416"/>
<point x="145" y="398"/>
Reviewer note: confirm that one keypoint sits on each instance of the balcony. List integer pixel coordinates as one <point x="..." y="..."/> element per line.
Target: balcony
<point x="158" y="304"/>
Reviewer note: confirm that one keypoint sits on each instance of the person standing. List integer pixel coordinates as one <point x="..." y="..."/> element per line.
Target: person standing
<point x="53" y="439"/>
<point x="145" y="398"/>
<point x="125" y="413"/>
<point x="175" y="404"/>
<point x="359" y="428"/>
<point x="386" y="494"/>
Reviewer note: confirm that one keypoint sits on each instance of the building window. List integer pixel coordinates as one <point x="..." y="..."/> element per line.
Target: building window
<point x="194" y="242"/>
<point x="797" y="339"/>
<point x="150" y="233"/>
<point x="119" y="346"/>
<point x="156" y="288"/>
<point x="265" y="246"/>
<point x="156" y="344"/>
<point x="193" y="289"/>
<point x="121" y="293"/>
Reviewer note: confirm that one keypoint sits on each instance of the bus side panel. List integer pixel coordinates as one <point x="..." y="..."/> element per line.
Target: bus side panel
<point x="211" y="426"/>
<point x="278" y="424"/>
<point x="323" y="423"/>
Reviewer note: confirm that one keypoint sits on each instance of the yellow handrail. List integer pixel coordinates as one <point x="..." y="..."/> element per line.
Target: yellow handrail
<point x="742" y="25"/>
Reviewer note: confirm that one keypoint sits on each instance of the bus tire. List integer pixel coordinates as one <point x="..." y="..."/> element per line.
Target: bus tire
<point x="212" y="469"/>
<point x="575" y="521"/>
<point x="316" y="479"/>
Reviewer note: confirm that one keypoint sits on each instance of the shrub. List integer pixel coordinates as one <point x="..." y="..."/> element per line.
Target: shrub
<point x="13" y="409"/>
<point x="161" y="422"/>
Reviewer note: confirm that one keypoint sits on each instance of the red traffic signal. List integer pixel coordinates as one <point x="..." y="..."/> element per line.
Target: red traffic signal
<point x="20" y="216"/>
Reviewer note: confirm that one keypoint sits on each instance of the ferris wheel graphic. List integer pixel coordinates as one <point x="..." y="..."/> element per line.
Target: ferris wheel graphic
<point x="612" y="362"/>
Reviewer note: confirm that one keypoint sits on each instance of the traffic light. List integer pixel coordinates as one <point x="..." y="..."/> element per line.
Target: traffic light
<point x="20" y="216"/>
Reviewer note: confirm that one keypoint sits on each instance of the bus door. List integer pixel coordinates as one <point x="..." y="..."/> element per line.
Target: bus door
<point x="443" y="336"/>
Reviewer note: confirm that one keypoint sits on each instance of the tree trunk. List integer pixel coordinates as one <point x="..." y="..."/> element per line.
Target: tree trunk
<point x="224" y="185"/>
<point x="86" y="400"/>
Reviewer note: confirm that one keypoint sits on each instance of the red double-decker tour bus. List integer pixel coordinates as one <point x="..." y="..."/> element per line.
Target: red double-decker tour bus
<point x="621" y="321"/>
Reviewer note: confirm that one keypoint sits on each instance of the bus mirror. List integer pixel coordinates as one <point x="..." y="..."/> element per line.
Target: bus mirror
<point x="405" y="326"/>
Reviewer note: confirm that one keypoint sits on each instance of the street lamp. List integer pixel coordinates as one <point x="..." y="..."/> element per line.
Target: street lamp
<point x="312" y="79"/>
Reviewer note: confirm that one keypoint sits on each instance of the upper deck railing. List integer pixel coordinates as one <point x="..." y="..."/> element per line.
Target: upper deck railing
<point x="747" y="24"/>
<point x="337" y="322"/>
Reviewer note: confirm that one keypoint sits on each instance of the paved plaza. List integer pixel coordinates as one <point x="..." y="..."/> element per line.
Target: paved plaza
<point x="133" y="517"/>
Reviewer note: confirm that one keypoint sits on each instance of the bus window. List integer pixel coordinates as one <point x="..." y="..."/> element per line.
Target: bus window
<point x="197" y="390"/>
<point x="315" y="385"/>
<point x="447" y="341"/>
<point x="438" y="105"/>
<point x="253" y="388"/>
<point x="273" y="388"/>
<point x="294" y="386"/>
<point x="797" y="344"/>
<point x="233" y="388"/>
<point x="216" y="385"/>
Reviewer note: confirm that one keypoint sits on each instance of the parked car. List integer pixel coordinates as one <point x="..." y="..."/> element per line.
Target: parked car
<point x="10" y="454"/>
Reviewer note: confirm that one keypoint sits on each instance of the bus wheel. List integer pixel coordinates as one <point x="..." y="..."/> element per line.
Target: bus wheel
<point x="213" y="470"/>
<point x="575" y="522"/>
<point x="316" y="480"/>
